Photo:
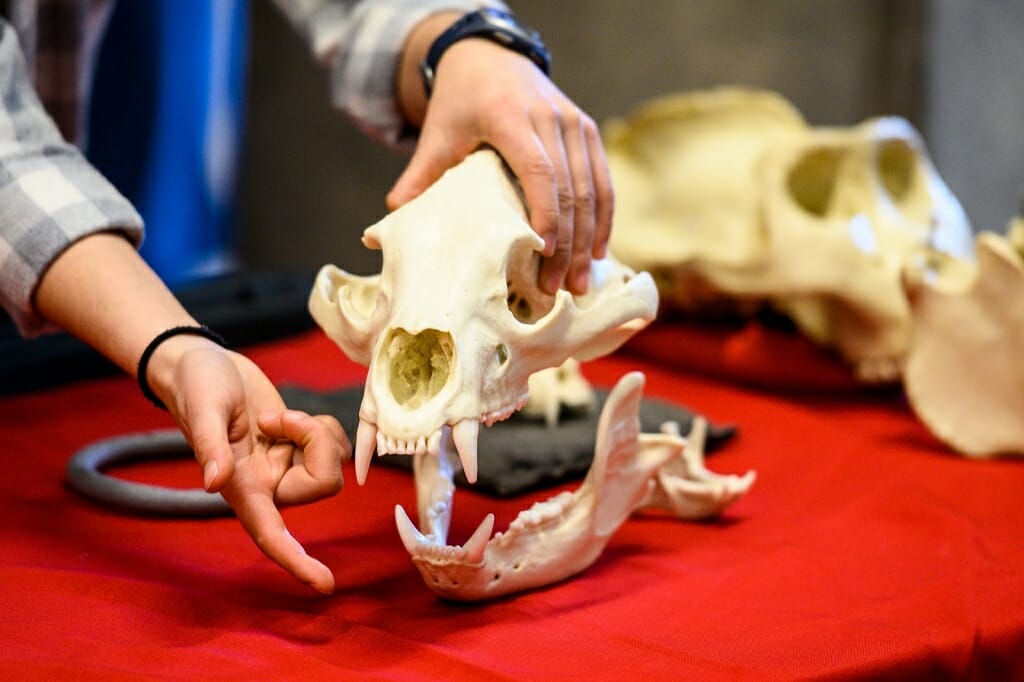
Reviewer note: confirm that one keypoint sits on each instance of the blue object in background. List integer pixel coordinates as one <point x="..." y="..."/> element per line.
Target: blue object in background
<point x="165" y="125"/>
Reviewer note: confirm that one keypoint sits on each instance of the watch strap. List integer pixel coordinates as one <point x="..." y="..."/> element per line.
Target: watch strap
<point x="492" y="24"/>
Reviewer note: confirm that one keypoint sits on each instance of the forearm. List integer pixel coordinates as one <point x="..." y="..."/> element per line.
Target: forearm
<point x="412" y="100"/>
<point x="102" y="292"/>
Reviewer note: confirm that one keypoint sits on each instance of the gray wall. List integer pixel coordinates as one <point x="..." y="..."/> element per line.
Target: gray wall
<point x="311" y="183"/>
<point x="974" y="103"/>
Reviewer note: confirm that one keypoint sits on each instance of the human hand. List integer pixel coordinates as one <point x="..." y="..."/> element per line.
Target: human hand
<point x="486" y="94"/>
<point x="254" y="451"/>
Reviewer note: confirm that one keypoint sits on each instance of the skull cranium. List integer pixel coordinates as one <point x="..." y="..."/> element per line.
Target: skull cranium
<point x="455" y="323"/>
<point x="729" y="195"/>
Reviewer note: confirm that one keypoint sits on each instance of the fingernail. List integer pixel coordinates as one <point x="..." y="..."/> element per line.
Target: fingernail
<point x="210" y="473"/>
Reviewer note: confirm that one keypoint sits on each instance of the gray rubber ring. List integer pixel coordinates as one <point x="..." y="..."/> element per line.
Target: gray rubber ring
<point x="84" y="475"/>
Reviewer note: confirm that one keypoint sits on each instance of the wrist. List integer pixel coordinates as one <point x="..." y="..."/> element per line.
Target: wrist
<point x="412" y="101"/>
<point x="158" y="366"/>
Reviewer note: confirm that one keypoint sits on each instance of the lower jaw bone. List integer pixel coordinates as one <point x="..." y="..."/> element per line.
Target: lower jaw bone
<point x="555" y="539"/>
<point x="550" y="541"/>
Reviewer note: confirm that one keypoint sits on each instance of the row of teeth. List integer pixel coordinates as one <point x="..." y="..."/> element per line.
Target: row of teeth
<point x="426" y="547"/>
<point x="421" y="546"/>
<point x="541" y="512"/>
<point x="464" y="434"/>
<point x="505" y="412"/>
<point x="393" y="446"/>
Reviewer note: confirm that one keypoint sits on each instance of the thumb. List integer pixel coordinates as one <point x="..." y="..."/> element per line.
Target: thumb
<point x="209" y="438"/>
<point x="428" y="163"/>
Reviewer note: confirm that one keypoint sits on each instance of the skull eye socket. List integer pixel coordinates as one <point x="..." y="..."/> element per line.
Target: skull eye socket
<point x="897" y="168"/>
<point x="812" y="180"/>
<point x="418" y="365"/>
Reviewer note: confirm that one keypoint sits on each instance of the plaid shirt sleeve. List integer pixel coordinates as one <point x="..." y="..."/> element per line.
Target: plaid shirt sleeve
<point x="361" y="43"/>
<point x="49" y="194"/>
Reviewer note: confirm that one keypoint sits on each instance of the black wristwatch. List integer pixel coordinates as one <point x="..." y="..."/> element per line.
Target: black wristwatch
<point x="500" y="27"/>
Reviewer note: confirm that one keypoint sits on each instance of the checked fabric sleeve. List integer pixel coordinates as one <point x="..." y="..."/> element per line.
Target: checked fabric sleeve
<point x="49" y="194"/>
<point x="361" y="43"/>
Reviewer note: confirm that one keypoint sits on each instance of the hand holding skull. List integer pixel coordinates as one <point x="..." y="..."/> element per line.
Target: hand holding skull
<point x="487" y="95"/>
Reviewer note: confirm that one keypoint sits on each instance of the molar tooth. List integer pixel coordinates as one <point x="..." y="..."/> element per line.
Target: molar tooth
<point x="366" y="435"/>
<point x="474" y="548"/>
<point x="465" y="434"/>
<point x="411" y="537"/>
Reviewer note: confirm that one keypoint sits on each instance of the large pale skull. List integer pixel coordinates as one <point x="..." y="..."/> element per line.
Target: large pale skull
<point x="455" y="323"/>
<point x="729" y="195"/>
<point x="557" y="538"/>
<point x="964" y="376"/>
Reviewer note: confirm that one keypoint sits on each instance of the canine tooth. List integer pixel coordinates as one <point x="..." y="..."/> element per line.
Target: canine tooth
<point x="366" y="435"/>
<point x="411" y="537"/>
<point x="465" y="434"/>
<point x="477" y="543"/>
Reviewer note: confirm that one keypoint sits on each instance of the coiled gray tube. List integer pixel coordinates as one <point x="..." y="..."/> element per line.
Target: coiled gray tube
<point x="85" y="475"/>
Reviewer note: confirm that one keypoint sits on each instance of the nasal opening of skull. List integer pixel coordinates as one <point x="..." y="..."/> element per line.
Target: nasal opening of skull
<point x="418" y="365"/>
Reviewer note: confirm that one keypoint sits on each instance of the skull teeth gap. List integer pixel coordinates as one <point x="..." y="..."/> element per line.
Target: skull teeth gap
<point x="418" y="364"/>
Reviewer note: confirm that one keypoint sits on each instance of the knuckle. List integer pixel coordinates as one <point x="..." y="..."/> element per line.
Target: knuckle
<point x="590" y="129"/>
<point x="585" y="201"/>
<point x="571" y="118"/>
<point x="331" y="485"/>
<point x="566" y="200"/>
<point x="262" y="541"/>
<point x="549" y="116"/>
<point x="539" y="166"/>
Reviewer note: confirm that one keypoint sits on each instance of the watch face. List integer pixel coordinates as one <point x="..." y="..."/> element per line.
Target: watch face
<point x="507" y="22"/>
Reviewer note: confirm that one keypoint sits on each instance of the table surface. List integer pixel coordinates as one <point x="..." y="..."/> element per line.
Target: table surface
<point x="865" y="549"/>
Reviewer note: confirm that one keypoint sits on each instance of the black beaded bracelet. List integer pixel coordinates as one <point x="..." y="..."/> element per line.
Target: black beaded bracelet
<point x="203" y="331"/>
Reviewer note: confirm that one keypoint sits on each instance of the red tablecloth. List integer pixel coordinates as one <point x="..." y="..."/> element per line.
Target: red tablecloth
<point x="865" y="549"/>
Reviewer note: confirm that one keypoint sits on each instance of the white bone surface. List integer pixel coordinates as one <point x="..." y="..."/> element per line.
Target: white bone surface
<point x="964" y="376"/>
<point x="455" y="323"/>
<point x="562" y="536"/>
<point x="559" y="387"/>
<point x="728" y="195"/>
<point x="689" y="490"/>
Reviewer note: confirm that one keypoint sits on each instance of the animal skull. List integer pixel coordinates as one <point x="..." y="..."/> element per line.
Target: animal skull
<point x="455" y="323"/>
<point x="562" y="536"/>
<point x="964" y="377"/>
<point x="730" y="195"/>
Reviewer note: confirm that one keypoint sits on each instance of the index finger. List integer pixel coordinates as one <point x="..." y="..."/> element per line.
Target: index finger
<point x="261" y="519"/>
